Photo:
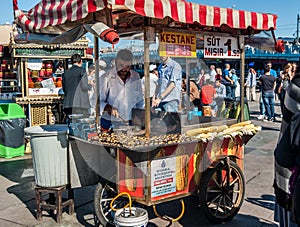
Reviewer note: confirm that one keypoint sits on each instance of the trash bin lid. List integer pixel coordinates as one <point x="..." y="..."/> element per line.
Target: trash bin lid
<point x="11" y="111"/>
<point x="47" y="130"/>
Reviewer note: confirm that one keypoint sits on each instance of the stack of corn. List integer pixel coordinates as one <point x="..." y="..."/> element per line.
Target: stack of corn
<point x="208" y="133"/>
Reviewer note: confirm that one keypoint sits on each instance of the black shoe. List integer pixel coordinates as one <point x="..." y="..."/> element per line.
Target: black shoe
<point x="272" y="119"/>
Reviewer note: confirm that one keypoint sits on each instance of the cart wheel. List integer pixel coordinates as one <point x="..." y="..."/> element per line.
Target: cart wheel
<point x="222" y="192"/>
<point x="102" y="198"/>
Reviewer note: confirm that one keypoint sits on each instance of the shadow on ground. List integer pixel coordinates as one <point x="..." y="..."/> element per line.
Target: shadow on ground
<point x="265" y="201"/>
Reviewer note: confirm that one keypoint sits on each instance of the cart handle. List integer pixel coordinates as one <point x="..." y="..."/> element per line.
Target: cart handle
<point x="120" y="194"/>
<point x="167" y="218"/>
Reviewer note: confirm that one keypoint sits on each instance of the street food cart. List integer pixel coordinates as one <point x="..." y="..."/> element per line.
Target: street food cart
<point x="202" y="156"/>
<point x="41" y="86"/>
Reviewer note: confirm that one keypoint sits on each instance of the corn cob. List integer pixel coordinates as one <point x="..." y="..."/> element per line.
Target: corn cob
<point x="257" y="128"/>
<point x="194" y="132"/>
<point x="232" y="130"/>
<point x="243" y="123"/>
<point x="130" y="180"/>
<point x="197" y="174"/>
<point x="181" y="172"/>
<point x="250" y="126"/>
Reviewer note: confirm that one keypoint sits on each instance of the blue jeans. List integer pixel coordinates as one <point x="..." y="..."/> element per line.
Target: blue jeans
<point x="171" y="106"/>
<point x="228" y="91"/>
<point x="268" y="99"/>
<point x="261" y="104"/>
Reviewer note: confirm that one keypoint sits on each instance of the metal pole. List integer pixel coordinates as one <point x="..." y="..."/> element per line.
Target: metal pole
<point x="147" y="84"/>
<point x="96" y="61"/>
<point x="242" y="76"/>
<point x="188" y="90"/>
<point x="298" y="21"/>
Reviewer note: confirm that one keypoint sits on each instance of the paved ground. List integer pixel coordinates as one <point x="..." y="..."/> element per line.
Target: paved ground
<point x="17" y="198"/>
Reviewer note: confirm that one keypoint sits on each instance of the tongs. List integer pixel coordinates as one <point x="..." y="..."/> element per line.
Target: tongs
<point x="123" y="120"/>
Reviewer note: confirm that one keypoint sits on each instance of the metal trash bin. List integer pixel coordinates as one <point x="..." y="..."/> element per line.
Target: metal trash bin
<point x="49" y="145"/>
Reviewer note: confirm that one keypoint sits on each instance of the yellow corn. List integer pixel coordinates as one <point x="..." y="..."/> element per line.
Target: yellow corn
<point x="197" y="174"/>
<point x="243" y="123"/>
<point x="232" y="130"/>
<point x="250" y="126"/>
<point x="182" y="172"/>
<point x="194" y="132"/>
<point x="130" y="180"/>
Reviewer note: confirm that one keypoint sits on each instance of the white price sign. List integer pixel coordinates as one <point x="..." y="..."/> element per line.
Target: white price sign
<point x="163" y="177"/>
<point x="221" y="47"/>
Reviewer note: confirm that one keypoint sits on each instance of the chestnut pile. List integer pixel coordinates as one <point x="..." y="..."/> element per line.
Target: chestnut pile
<point x="138" y="142"/>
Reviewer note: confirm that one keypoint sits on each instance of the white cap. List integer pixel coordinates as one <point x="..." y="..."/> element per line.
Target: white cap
<point x="102" y="63"/>
<point x="152" y="67"/>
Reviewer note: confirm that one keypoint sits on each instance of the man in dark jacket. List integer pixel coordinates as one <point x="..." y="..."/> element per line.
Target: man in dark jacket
<point x="76" y="87"/>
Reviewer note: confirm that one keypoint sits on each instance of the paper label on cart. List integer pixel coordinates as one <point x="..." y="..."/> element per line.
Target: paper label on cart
<point x="163" y="177"/>
<point x="142" y="166"/>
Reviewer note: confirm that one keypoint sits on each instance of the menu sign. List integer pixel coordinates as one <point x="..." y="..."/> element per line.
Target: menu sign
<point x="177" y="44"/>
<point x="221" y="47"/>
<point x="163" y="177"/>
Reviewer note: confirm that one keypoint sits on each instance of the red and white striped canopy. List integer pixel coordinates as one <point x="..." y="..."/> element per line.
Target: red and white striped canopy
<point x="58" y="12"/>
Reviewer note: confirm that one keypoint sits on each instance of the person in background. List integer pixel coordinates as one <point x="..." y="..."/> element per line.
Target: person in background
<point x="102" y="67"/>
<point x="167" y="93"/>
<point x="220" y="96"/>
<point x="272" y="72"/>
<point x="194" y="93"/>
<point x="227" y="81"/>
<point x="120" y="92"/>
<point x="153" y="77"/>
<point x="202" y="78"/>
<point x="75" y="88"/>
<point x="294" y="68"/>
<point x="268" y="84"/>
<point x="284" y="79"/>
<point x="59" y="69"/>
<point x="251" y="84"/>
<point x="219" y="74"/>
<point x="208" y="94"/>
<point x="92" y="81"/>
<point x="234" y="85"/>
<point x="212" y="73"/>
<point x="220" y="89"/>
<point x="281" y="184"/>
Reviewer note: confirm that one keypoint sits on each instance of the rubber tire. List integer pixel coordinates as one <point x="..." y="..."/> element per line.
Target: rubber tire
<point x="97" y="206"/>
<point x="203" y="194"/>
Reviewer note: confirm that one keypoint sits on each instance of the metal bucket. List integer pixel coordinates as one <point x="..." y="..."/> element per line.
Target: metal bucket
<point x="134" y="217"/>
